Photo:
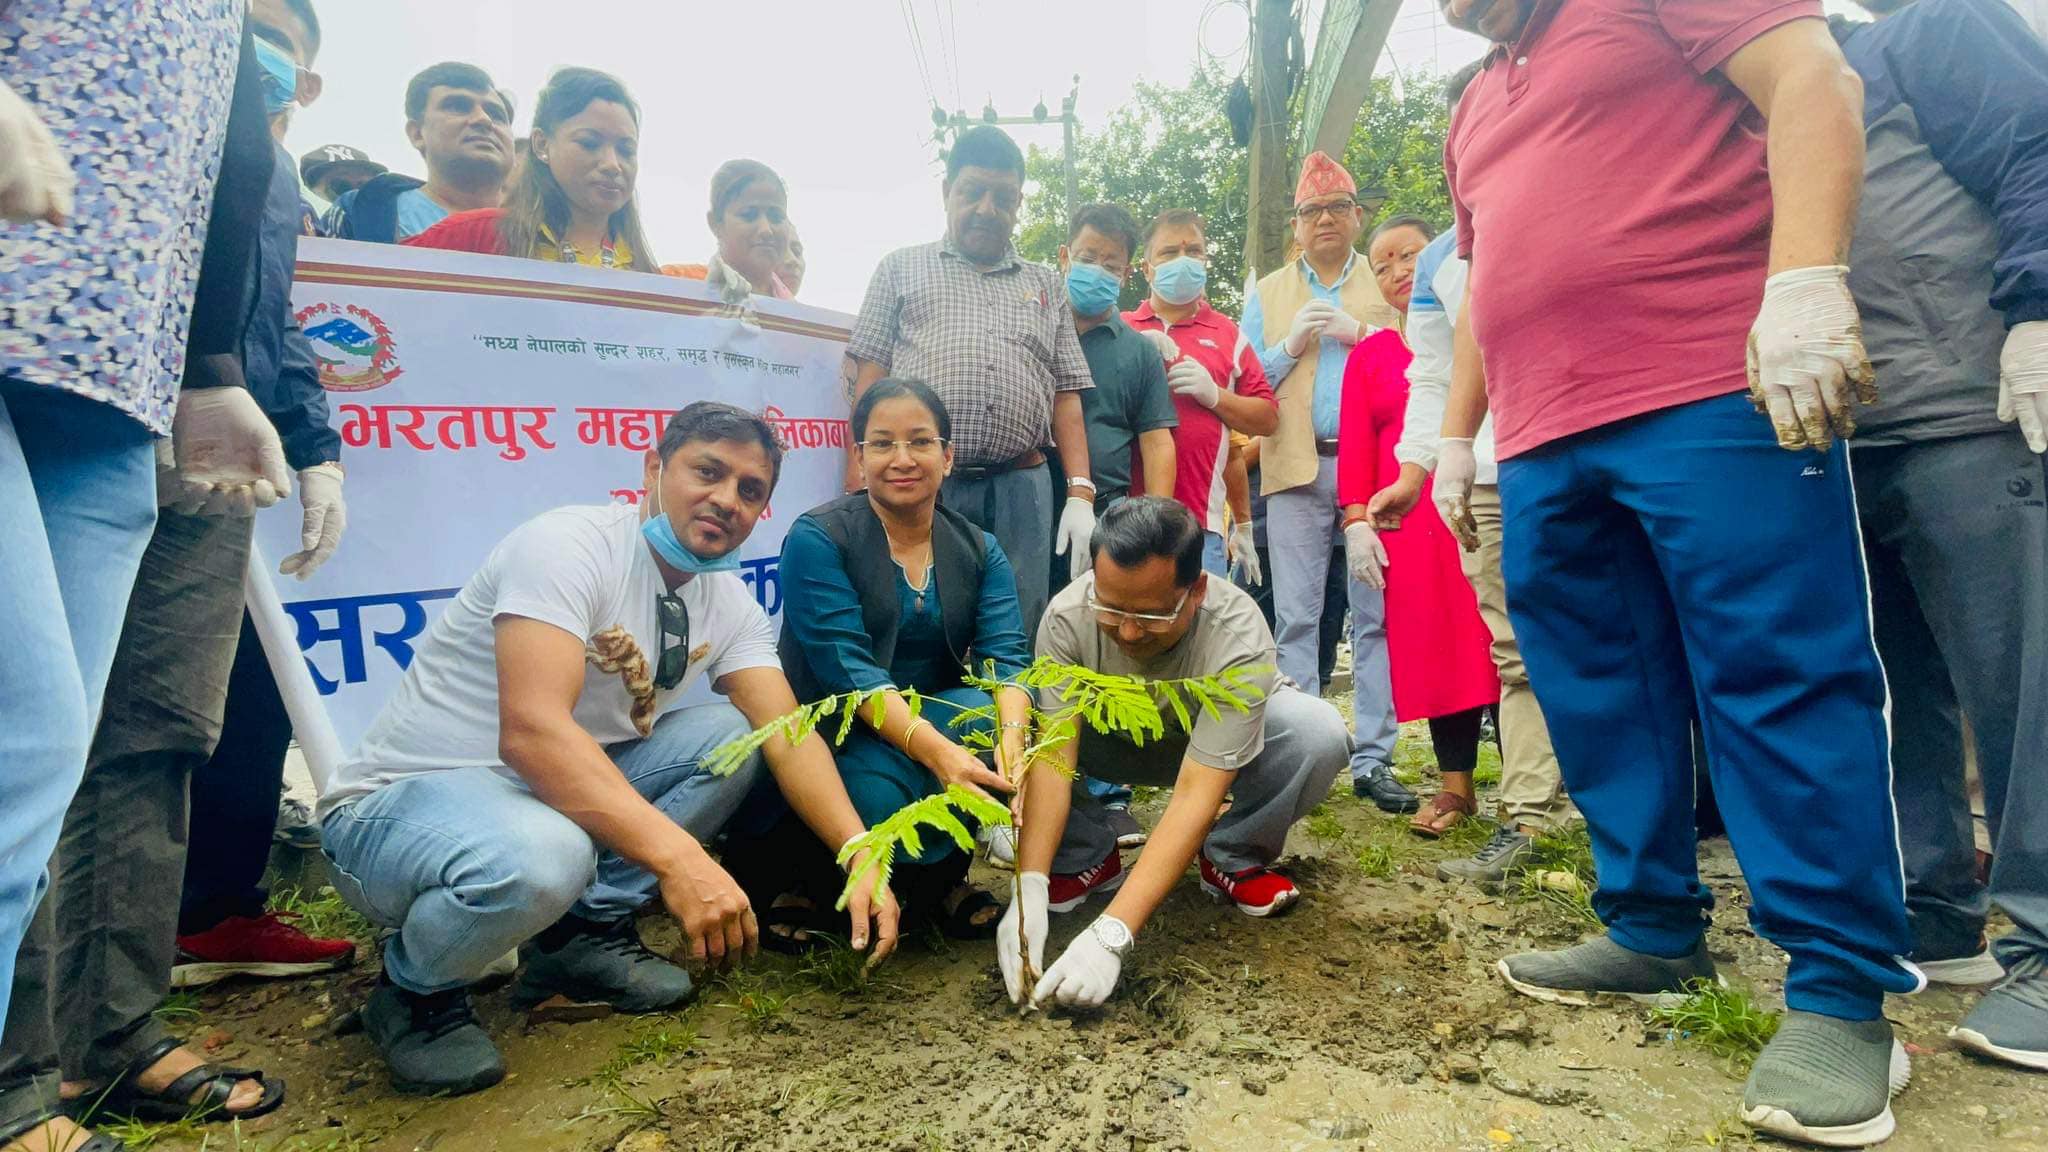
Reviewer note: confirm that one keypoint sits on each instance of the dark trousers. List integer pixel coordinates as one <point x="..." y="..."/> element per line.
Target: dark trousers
<point x="1956" y="532"/>
<point x="234" y="797"/>
<point x="97" y="957"/>
<point x="1683" y="559"/>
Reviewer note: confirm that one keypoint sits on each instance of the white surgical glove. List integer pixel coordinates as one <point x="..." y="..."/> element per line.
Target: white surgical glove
<point x="1077" y="528"/>
<point x="1085" y="974"/>
<point x="2023" y="381"/>
<point x="1025" y="923"/>
<point x="1365" y="555"/>
<point x="326" y="515"/>
<point x="1805" y="353"/>
<point x="1452" y="490"/>
<point x="1343" y="327"/>
<point x="35" y="182"/>
<point x="1188" y="378"/>
<point x="230" y="462"/>
<point x="1308" y="325"/>
<point x="1168" y="350"/>
<point x="1247" y="553"/>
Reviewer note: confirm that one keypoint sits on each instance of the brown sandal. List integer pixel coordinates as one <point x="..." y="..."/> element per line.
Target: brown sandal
<point x="1431" y="822"/>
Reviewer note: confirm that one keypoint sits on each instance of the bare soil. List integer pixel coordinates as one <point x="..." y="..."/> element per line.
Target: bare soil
<point x="1368" y="1018"/>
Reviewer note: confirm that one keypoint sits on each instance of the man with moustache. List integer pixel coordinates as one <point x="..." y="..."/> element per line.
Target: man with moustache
<point x="462" y="125"/>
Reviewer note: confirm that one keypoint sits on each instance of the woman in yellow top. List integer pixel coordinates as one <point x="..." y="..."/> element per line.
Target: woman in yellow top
<point x="571" y="200"/>
<point x="750" y="218"/>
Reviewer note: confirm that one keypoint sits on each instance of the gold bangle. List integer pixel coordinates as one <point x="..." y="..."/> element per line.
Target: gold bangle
<point x="910" y="733"/>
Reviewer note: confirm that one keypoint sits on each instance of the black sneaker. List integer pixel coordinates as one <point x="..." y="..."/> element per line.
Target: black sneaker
<point x="432" y="1044"/>
<point x="587" y="961"/>
<point x="1389" y="794"/>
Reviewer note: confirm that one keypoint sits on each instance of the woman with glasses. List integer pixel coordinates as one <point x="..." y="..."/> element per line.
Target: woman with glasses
<point x="1437" y="643"/>
<point x="888" y="589"/>
<point x="750" y="218"/>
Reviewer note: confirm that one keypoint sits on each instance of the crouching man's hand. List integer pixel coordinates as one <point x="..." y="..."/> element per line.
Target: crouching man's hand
<point x="1086" y="974"/>
<point x="718" y="922"/>
<point x="871" y="901"/>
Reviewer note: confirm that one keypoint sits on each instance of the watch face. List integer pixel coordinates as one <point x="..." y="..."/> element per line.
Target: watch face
<point x="1113" y="934"/>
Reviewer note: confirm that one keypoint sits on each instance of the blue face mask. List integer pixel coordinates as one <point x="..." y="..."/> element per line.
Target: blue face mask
<point x="1091" y="290"/>
<point x="1180" y="281"/>
<point x="661" y="536"/>
<point x="280" y="76"/>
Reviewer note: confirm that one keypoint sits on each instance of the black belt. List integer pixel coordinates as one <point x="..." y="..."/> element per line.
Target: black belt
<point x="1031" y="459"/>
<point x="1326" y="447"/>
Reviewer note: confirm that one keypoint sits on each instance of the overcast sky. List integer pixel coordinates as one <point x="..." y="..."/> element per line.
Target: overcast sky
<point x="831" y="93"/>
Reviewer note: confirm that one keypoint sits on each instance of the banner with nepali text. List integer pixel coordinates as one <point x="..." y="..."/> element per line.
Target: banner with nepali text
<point x="475" y="392"/>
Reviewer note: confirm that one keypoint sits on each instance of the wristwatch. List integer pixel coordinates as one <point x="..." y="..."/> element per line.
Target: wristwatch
<point x="1111" y="933"/>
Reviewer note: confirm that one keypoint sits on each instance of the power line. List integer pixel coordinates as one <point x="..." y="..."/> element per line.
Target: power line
<point x="917" y="52"/>
<point x="948" y="26"/>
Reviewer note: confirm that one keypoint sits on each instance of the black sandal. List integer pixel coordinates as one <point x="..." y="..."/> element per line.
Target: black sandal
<point x="212" y="1084"/>
<point x="794" y="929"/>
<point x="959" y="924"/>
<point x="97" y="1142"/>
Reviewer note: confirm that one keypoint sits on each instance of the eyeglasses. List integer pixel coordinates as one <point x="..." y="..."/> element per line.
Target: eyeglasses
<point x="1150" y="622"/>
<point x="918" y="446"/>
<point x="674" y="622"/>
<point x="1313" y="212"/>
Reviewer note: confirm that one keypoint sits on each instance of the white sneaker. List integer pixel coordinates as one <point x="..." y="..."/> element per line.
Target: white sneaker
<point x="998" y="845"/>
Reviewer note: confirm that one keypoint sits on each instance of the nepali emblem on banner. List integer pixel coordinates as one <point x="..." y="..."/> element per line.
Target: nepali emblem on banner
<point x="354" y="347"/>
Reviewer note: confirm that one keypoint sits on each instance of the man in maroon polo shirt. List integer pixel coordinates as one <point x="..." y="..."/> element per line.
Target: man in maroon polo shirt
<point x="1679" y="177"/>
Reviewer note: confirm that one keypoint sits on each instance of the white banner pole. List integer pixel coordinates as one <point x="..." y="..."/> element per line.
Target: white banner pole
<point x="315" y="733"/>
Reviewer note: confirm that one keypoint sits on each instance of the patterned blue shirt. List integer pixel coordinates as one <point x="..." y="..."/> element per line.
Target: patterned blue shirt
<point x="137" y="97"/>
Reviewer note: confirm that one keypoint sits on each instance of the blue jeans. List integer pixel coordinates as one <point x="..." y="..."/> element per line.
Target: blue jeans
<point x="1301" y="529"/>
<point x="1683" y="560"/>
<point x="1215" y="558"/>
<point x="467" y="864"/>
<point x="77" y="502"/>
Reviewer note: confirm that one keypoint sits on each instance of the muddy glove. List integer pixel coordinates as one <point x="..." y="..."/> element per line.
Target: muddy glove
<point x="732" y="287"/>
<point x="229" y="460"/>
<point x="326" y="515"/>
<point x="1077" y="528"/>
<point x="1188" y="378"/>
<point x="1455" y="469"/>
<point x="1246" y="552"/>
<point x="1308" y="325"/>
<point x="1168" y="350"/>
<point x="1024" y="922"/>
<point x="1085" y="975"/>
<point x="1806" y="355"/>
<point x="35" y="181"/>
<point x="1365" y="555"/>
<point x="2023" y="381"/>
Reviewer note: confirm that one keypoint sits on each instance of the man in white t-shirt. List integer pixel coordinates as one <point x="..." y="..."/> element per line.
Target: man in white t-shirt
<point x="534" y="780"/>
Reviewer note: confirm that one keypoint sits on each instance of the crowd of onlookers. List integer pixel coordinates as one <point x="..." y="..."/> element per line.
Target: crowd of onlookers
<point x="1698" y="464"/>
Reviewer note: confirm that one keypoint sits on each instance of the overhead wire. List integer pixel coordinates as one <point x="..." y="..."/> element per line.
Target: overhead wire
<point x="917" y="50"/>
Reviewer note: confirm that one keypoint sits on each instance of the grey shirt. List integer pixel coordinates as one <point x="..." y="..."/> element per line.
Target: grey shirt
<point x="1228" y="633"/>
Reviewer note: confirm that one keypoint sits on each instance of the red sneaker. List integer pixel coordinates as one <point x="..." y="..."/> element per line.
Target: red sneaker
<point x="1257" y="891"/>
<point x="255" y="946"/>
<point x="1067" y="891"/>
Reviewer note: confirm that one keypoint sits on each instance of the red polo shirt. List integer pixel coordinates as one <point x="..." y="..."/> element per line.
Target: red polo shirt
<point x="1611" y="190"/>
<point x="1201" y="441"/>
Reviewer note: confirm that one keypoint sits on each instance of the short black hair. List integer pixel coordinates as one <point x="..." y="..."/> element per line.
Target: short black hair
<point x="1454" y="88"/>
<point x="1110" y="220"/>
<point x="984" y="146"/>
<point x="1175" y="218"/>
<point x="1427" y="229"/>
<point x="715" y="420"/>
<point x="447" y="74"/>
<point x="303" y="9"/>
<point x="1142" y="527"/>
<point x="889" y="388"/>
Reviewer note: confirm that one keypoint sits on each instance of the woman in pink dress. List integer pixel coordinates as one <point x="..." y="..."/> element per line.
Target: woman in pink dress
<point x="1436" y="640"/>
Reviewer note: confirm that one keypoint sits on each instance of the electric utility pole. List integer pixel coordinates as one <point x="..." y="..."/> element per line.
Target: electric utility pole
<point x="1274" y="31"/>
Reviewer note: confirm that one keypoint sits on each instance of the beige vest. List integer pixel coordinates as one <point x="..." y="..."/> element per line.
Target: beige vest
<point x="1288" y="459"/>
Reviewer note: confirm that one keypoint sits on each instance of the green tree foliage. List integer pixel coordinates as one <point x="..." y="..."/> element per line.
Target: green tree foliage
<point x="1170" y="147"/>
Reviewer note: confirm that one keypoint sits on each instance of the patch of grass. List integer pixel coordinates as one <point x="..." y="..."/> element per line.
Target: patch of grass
<point x="759" y="1006"/>
<point x="1487" y="774"/>
<point x="1722" y="1020"/>
<point x="1564" y="895"/>
<point x="624" y="1106"/>
<point x="1324" y="825"/>
<point x="141" y="1136"/>
<point x="1568" y="849"/>
<point x="1379" y="860"/>
<point x="322" y="914"/>
<point x="665" y="1039"/>
<point x="177" y="1009"/>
